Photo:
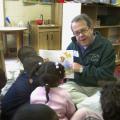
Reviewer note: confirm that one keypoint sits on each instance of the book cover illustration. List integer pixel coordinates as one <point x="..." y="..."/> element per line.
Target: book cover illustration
<point x="65" y="57"/>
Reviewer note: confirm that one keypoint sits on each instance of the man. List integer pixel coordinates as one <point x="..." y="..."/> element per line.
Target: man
<point x="94" y="57"/>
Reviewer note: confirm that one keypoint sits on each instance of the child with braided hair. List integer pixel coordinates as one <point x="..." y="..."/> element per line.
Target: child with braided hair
<point x="50" y="76"/>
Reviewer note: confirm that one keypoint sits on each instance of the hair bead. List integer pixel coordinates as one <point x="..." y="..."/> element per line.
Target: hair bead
<point x="57" y="65"/>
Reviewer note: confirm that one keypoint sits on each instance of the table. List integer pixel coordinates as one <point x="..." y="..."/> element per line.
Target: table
<point x="18" y="31"/>
<point x="2" y="61"/>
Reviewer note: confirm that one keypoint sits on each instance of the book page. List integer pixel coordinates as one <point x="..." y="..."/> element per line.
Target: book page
<point x="65" y="57"/>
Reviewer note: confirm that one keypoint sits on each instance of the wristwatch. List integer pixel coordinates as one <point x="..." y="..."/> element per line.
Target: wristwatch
<point x="81" y="69"/>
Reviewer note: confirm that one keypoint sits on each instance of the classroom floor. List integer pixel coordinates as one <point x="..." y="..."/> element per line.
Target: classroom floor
<point x="13" y="67"/>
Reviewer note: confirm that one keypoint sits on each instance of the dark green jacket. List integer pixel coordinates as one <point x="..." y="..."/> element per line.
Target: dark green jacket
<point x="98" y="61"/>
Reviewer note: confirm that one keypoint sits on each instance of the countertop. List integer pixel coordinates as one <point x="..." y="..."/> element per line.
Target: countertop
<point x="13" y="28"/>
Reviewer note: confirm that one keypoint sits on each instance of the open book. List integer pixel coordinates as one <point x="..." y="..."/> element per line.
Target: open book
<point x="65" y="57"/>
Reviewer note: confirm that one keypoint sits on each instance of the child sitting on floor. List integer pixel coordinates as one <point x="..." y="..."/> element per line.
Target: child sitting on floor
<point x="35" y="112"/>
<point x="50" y="94"/>
<point x="24" y="52"/>
<point x="19" y="93"/>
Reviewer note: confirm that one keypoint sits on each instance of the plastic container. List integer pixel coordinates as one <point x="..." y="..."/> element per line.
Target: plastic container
<point x="39" y="21"/>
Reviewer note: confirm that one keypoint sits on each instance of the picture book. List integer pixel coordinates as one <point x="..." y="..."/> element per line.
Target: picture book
<point x="65" y="57"/>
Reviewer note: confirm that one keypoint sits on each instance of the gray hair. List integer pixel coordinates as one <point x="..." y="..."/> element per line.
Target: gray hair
<point x="85" y="18"/>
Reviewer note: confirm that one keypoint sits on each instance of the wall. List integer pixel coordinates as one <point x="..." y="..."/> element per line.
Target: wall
<point x="70" y="10"/>
<point x="1" y="13"/>
<point x="17" y="11"/>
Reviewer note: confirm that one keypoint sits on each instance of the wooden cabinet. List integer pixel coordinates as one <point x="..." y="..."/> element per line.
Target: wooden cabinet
<point x="46" y="37"/>
<point x="106" y="20"/>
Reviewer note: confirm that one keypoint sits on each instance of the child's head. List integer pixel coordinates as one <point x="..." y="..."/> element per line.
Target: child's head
<point x="26" y="51"/>
<point x="3" y="79"/>
<point x="110" y="101"/>
<point x="50" y="74"/>
<point x="31" y="64"/>
<point x="35" y="112"/>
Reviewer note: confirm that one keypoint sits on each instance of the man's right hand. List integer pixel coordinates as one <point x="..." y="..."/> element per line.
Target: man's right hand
<point x="76" y="67"/>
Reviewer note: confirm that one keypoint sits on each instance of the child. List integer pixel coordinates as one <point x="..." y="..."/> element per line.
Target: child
<point x="110" y="104"/>
<point x="3" y="79"/>
<point x="35" y="112"/>
<point x="50" y="94"/>
<point x="19" y="93"/>
<point x="110" y="101"/>
<point x="26" y="51"/>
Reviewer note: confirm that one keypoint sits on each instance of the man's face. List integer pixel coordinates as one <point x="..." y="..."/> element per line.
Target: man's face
<point x="82" y="32"/>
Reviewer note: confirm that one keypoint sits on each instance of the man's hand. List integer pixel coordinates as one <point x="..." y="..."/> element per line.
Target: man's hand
<point x="77" y="67"/>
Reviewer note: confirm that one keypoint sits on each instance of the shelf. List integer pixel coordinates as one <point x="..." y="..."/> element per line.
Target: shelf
<point x="30" y="2"/>
<point x="37" y="2"/>
<point x="47" y="3"/>
<point x="48" y="26"/>
<point x="101" y="4"/>
<point x="110" y="26"/>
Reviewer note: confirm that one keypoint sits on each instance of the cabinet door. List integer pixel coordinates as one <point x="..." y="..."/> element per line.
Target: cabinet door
<point x="46" y="38"/>
<point x="43" y="40"/>
<point x="54" y="40"/>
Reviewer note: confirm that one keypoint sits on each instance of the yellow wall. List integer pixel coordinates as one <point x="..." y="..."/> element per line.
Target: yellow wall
<point x="17" y="11"/>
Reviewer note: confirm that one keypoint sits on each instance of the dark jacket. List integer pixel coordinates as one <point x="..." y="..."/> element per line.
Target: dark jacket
<point x="16" y="96"/>
<point x="98" y="61"/>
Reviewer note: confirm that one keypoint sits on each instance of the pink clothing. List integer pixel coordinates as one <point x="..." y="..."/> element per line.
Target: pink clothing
<point x="59" y="100"/>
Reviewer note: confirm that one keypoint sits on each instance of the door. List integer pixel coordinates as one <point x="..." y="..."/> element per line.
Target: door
<point x="54" y="40"/>
<point x="43" y="40"/>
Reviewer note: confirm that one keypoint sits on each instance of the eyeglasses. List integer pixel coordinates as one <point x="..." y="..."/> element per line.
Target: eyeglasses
<point x="82" y="31"/>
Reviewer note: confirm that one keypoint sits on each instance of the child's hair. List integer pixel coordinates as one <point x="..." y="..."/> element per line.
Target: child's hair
<point x="35" y="112"/>
<point x="3" y="79"/>
<point x="110" y="101"/>
<point x="50" y="74"/>
<point x="31" y="64"/>
<point x="26" y="51"/>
